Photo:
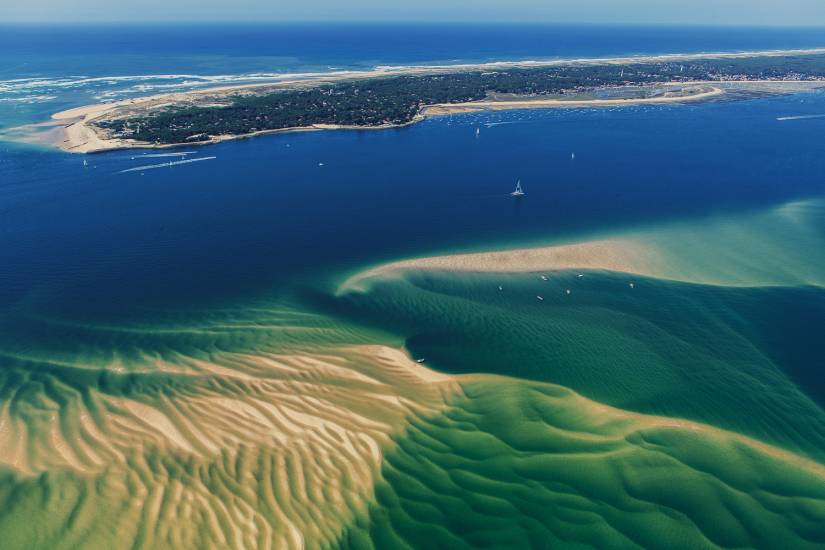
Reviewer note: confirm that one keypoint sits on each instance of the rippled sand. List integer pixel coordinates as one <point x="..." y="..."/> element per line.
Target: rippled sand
<point x="264" y="450"/>
<point x="363" y="447"/>
<point x="213" y="436"/>
<point x="521" y="465"/>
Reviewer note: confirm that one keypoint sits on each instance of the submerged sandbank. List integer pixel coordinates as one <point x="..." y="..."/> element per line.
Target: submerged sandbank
<point x="298" y="450"/>
<point x="767" y="248"/>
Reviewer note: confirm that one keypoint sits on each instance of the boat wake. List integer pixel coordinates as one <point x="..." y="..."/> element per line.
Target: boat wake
<point x="800" y="117"/>
<point x="164" y="164"/>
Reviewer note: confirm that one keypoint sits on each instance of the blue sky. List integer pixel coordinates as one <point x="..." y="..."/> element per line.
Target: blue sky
<point x="747" y="12"/>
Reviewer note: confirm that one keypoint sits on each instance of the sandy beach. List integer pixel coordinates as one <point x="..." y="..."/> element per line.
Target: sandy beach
<point x="452" y="108"/>
<point x="73" y="129"/>
<point x="717" y="250"/>
<point x="615" y="254"/>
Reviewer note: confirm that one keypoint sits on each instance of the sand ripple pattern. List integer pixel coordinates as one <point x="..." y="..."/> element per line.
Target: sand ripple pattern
<point x="239" y="451"/>
<point x="515" y="465"/>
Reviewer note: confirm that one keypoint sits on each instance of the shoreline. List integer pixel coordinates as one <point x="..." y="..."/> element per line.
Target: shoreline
<point x="721" y="250"/>
<point x="93" y="143"/>
<point x="617" y="254"/>
<point x="72" y="131"/>
<point x="486" y="105"/>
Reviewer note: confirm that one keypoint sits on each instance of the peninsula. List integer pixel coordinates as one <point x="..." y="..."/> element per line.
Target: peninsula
<point x="392" y="97"/>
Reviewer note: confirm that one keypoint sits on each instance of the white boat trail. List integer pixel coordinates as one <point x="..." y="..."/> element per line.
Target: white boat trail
<point x="164" y="165"/>
<point x="800" y="117"/>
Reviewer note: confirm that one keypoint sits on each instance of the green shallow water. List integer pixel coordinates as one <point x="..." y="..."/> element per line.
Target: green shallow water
<point x="514" y="464"/>
<point x="509" y="462"/>
<point x="675" y="349"/>
<point x="158" y="431"/>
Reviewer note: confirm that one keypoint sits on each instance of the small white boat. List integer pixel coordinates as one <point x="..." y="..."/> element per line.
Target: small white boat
<point x="543" y="278"/>
<point x="320" y="164"/>
<point x="85" y="162"/>
<point x="568" y="292"/>
<point x="519" y="192"/>
<point x="420" y="360"/>
<point x="500" y="287"/>
<point x="572" y="156"/>
<point x="581" y="275"/>
<point x="632" y="285"/>
<point x="478" y="131"/>
<point x="540" y="298"/>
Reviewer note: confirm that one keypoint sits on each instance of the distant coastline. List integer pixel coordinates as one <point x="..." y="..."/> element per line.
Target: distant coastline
<point x="76" y="130"/>
<point x="76" y="134"/>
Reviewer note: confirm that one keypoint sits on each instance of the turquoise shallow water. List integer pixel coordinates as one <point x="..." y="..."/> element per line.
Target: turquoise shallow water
<point x="142" y="316"/>
<point x="673" y="349"/>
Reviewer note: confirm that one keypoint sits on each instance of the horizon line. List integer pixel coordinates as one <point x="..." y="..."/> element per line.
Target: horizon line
<point x="480" y="22"/>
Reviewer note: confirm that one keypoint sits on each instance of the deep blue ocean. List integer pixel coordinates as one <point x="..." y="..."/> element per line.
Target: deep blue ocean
<point x="265" y="215"/>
